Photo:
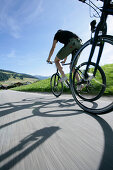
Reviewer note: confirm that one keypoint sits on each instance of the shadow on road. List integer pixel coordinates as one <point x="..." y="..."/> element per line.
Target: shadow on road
<point x="27" y="145"/>
<point x="63" y="105"/>
<point x="107" y="157"/>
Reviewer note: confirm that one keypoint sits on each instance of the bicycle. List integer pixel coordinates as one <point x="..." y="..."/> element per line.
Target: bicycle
<point x="93" y="76"/>
<point x="57" y="86"/>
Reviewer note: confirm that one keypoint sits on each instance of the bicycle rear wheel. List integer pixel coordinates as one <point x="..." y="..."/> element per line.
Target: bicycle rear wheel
<point x="91" y="88"/>
<point x="56" y="86"/>
<point x="96" y="94"/>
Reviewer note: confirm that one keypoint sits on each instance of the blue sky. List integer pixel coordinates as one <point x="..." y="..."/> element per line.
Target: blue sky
<point x="27" y="29"/>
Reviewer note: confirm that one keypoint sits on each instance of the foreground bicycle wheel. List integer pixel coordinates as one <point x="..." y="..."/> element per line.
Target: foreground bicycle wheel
<point x="56" y="86"/>
<point x="95" y="95"/>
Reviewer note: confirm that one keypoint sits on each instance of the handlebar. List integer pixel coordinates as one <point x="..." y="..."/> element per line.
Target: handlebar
<point x="50" y="62"/>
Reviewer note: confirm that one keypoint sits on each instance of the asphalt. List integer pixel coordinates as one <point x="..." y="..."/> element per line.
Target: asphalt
<point x="41" y="132"/>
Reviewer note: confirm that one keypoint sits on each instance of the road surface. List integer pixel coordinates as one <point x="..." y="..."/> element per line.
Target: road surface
<point x="41" y="132"/>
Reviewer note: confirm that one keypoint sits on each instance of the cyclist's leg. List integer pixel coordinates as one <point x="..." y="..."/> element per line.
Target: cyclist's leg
<point x="58" y="65"/>
<point x="73" y="54"/>
<point x="77" y="77"/>
<point x="65" y="51"/>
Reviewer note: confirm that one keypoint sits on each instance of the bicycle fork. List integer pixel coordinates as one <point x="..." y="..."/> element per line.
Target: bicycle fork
<point x="94" y="44"/>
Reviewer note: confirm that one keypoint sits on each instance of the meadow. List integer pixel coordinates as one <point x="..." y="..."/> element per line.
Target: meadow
<point x="44" y="85"/>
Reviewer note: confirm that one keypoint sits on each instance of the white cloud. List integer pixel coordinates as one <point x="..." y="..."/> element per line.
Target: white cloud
<point x="14" y="15"/>
<point x="12" y="54"/>
<point x="14" y="27"/>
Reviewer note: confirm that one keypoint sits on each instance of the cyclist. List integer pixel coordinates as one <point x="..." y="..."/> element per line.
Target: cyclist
<point x="71" y="43"/>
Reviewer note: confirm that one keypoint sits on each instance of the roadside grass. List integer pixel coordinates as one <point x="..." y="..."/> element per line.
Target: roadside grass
<point x="108" y="69"/>
<point x="44" y="85"/>
<point x="40" y="86"/>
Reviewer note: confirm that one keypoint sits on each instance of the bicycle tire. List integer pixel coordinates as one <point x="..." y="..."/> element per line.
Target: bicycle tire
<point x="91" y="107"/>
<point x="56" y="86"/>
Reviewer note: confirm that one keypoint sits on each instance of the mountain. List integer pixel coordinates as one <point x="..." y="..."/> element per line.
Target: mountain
<point x="5" y="75"/>
<point x="41" y="77"/>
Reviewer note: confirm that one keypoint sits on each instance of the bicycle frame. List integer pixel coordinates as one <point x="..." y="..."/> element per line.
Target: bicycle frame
<point x="102" y="26"/>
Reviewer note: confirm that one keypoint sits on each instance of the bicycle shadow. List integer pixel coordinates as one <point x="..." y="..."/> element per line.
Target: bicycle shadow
<point x="106" y="161"/>
<point x="107" y="157"/>
<point x="36" y="106"/>
<point x="64" y="105"/>
<point x="24" y="148"/>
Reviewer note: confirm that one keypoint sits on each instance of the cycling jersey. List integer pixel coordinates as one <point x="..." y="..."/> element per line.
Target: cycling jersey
<point x="64" y="36"/>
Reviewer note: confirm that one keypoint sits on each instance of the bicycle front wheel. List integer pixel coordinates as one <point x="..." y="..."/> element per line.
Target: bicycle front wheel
<point x="95" y="92"/>
<point x="56" y="85"/>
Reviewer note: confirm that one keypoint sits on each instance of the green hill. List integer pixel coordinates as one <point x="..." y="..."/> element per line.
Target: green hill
<point x="44" y="85"/>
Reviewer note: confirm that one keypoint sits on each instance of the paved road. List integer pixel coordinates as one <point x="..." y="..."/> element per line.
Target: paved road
<point x="40" y="132"/>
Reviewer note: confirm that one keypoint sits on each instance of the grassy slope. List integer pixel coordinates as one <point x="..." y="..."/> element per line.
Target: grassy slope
<point x="44" y="85"/>
<point x="108" y="69"/>
<point x="41" y="86"/>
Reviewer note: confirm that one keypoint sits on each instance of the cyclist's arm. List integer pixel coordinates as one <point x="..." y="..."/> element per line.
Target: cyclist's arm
<point x="52" y="50"/>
